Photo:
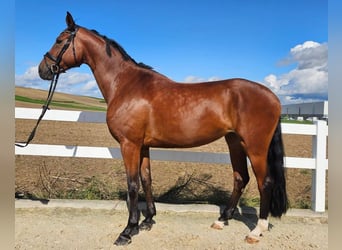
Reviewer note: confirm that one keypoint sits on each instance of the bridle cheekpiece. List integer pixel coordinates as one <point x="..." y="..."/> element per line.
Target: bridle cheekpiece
<point x="55" y="68"/>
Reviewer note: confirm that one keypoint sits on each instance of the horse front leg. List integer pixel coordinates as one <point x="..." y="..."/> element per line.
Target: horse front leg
<point x="131" y="156"/>
<point x="146" y="180"/>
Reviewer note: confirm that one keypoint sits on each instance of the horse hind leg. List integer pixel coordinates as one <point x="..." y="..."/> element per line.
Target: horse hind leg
<point x="268" y="166"/>
<point x="240" y="173"/>
<point x="146" y="181"/>
<point x="265" y="184"/>
<point x="241" y="178"/>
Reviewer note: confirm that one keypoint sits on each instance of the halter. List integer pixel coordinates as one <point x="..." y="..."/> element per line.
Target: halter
<point x="55" y="70"/>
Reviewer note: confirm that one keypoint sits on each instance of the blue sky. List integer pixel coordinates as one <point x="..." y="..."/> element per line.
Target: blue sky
<point x="281" y="44"/>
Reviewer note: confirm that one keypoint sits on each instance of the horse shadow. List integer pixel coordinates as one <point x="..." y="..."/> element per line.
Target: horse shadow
<point x="182" y="192"/>
<point x="246" y="215"/>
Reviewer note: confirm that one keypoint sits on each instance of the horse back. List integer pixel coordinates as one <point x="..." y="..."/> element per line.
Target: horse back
<point x="187" y="115"/>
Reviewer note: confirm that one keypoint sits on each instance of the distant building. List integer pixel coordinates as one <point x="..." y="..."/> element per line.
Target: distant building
<point x="309" y="110"/>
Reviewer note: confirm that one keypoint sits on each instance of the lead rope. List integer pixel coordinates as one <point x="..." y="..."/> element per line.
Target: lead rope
<point x="44" y="109"/>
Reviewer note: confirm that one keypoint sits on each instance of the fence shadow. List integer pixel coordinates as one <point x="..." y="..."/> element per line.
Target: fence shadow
<point x="189" y="189"/>
<point x="194" y="189"/>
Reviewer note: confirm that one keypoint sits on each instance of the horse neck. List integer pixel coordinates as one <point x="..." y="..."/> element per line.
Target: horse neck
<point x="110" y="72"/>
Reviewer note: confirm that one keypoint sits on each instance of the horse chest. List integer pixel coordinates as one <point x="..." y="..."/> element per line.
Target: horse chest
<point x="127" y="120"/>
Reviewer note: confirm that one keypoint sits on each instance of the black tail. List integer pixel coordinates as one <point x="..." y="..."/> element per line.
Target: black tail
<point x="275" y="160"/>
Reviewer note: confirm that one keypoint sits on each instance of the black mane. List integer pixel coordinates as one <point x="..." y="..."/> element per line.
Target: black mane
<point x="114" y="44"/>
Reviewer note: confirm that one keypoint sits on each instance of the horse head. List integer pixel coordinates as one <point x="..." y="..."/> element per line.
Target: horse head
<point x="64" y="54"/>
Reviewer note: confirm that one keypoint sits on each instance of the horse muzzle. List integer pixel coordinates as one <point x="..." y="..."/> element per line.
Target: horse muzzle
<point x="44" y="72"/>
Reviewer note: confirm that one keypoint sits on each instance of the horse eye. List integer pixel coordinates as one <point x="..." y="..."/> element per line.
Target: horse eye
<point x="58" y="41"/>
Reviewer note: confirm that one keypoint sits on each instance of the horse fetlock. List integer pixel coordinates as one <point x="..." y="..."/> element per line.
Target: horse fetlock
<point x="227" y="214"/>
<point x="256" y="233"/>
<point x="219" y="224"/>
<point x="151" y="209"/>
<point x="146" y="225"/>
<point x="131" y="230"/>
<point x="123" y="240"/>
<point x="125" y="237"/>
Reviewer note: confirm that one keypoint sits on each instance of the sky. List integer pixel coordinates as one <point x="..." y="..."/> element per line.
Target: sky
<point x="281" y="44"/>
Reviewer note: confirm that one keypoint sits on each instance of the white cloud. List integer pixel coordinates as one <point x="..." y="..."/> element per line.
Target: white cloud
<point x="308" y="79"/>
<point x="213" y="78"/>
<point x="72" y="78"/>
<point x="71" y="82"/>
<point x="30" y="78"/>
<point x="196" y="79"/>
<point x="91" y="85"/>
<point x="193" y="79"/>
<point x="91" y="88"/>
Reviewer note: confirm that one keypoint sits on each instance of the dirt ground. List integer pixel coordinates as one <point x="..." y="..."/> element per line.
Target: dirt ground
<point x="70" y="228"/>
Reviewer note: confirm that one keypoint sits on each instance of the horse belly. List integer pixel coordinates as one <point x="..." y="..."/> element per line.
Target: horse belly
<point x="186" y="133"/>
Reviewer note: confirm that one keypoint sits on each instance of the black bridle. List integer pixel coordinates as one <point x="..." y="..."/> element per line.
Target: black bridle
<point x="55" y="69"/>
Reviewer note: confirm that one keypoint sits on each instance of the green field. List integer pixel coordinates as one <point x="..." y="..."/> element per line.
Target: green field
<point x="64" y="104"/>
<point x="296" y="121"/>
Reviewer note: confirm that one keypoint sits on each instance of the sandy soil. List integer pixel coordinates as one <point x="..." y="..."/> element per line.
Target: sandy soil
<point x="68" y="228"/>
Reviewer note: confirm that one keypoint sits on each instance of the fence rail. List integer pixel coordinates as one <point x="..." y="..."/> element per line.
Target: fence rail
<point x="318" y="164"/>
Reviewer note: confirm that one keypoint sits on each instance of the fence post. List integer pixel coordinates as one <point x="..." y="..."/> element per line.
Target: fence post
<point x="319" y="144"/>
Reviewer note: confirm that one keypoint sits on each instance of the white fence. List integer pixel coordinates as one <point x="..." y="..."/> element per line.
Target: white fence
<point x="318" y="164"/>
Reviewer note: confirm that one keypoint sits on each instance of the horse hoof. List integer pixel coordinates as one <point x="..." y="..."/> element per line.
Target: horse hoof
<point x="252" y="239"/>
<point x="146" y="226"/>
<point x="123" y="240"/>
<point x="218" y="225"/>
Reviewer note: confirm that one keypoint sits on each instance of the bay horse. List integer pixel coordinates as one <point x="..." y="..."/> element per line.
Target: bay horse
<point x="146" y="109"/>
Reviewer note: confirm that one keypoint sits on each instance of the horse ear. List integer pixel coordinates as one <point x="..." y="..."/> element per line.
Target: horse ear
<point x="70" y="22"/>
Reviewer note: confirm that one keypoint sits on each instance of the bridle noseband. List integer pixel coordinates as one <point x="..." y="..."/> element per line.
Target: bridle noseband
<point x="56" y="68"/>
